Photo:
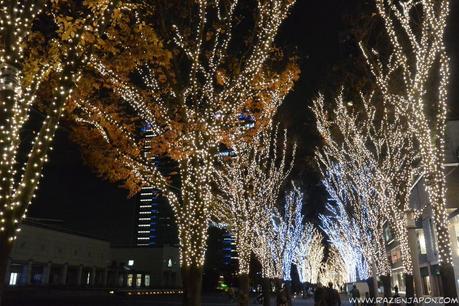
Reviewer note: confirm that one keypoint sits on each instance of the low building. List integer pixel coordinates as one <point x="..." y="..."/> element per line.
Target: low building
<point x="146" y="267"/>
<point x="44" y="255"/>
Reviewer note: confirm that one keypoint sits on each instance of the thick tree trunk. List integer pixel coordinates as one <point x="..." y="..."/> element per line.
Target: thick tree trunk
<point x="448" y="281"/>
<point x="386" y="285"/>
<point x="5" y="249"/>
<point x="244" y="284"/>
<point x="371" y="286"/>
<point x="266" y="287"/>
<point x="278" y="283"/>
<point x="409" y="283"/>
<point x="192" y="285"/>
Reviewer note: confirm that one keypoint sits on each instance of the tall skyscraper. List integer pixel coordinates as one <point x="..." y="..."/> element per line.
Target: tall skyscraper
<point x="147" y="220"/>
<point x="229" y="250"/>
<point x="155" y="225"/>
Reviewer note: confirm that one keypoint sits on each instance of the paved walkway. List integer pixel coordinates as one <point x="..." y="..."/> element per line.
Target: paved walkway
<point x="56" y="298"/>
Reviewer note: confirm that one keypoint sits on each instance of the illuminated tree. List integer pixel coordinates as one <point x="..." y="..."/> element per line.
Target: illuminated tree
<point x="375" y="153"/>
<point x="249" y="184"/>
<point x="316" y="256"/>
<point x="308" y="253"/>
<point x="350" y="177"/>
<point x="413" y="76"/>
<point x="30" y="62"/>
<point x="192" y="98"/>
<point x="289" y="229"/>
<point x="344" y="235"/>
<point x="333" y="269"/>
<point x="278" y="237"/>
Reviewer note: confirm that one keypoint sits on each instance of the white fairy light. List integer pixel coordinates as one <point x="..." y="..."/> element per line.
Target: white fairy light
<point x="309" y="254"/>
<point x="248" y="184"/>
<point x="279" y="235"/>
<point x="208" y="111"/>
<point x="20" y="181"/>
<point x="417" y="51"/>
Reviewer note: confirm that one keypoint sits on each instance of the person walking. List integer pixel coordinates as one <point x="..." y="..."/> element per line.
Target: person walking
<point x="319" y="296"/>
<point x="355" y="295"/>
<point x="282" y="299"/>
<point x="332" y="297"/>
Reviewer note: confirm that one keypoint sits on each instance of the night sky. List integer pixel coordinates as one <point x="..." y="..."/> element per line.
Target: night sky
<point x="317" y="31"/>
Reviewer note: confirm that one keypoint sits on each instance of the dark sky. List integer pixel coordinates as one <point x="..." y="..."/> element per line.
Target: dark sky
<point x="71" y="193"/>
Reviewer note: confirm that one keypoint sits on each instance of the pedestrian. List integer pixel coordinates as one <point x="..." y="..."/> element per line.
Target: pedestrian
<point x="332" y="297"/>
<point x="319" y="296"/>
<point x="396" y="297"/>
<point x="282" y="299"/>
<point x="355" y="295"/>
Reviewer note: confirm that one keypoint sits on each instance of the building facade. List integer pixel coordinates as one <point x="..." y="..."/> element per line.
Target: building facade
<point x="46" y="256"/>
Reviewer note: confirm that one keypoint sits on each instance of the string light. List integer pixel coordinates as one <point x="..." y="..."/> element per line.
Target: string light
<point x="417" y="51"/>
<point x="248" y="185"/>
<point x="343" y="234"/>
<point x="19" y="91"/>
<point x="333" y="270"/>
<point x="279" y="235"/>
<point x="192" y="119"/>
<point x="309" y="254"/>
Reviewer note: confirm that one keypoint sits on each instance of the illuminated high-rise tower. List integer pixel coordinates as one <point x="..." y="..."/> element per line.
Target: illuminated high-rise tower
<point x="154" y="226"/>
<point x="147" y="212"/>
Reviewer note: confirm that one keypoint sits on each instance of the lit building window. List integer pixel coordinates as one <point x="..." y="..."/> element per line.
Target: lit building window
<point x="421" y="241"/>
<point x="130" y="262"/>
<point x="88" y="278"/>
<point x="147" y="280"/>
<point x="138" y="280"/>
<point x="388" y="234"/>
<point x="13" y="279"/>
<point x="169" y="263"/>
<point x="129" y="280"/>
<point x="395" y="255"/>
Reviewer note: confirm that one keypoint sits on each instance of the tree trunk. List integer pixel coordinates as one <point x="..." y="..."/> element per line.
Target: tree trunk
<point x="278" y="283"/>
<point x="386" y="285"/>
<point x="266" y="288"/>
<point x="371" y="287"/>
<point x="192" y="285"/>
<point x="244" y="284"/>
<point x="448" y="281"/>
<point x="409" y="283"/>
<point x="288" y="286"/>
<point x="5" y="249"/>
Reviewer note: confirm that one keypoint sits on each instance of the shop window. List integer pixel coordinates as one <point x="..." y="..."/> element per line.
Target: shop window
<point x="13" y="279"/>
<point x="388" y="234"/>
<point x="395" y="256"/>
<point x="421" y="241"/>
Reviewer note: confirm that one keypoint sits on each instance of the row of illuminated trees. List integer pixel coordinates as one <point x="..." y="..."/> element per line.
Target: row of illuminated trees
<point x="375" y="147"/>
<point x="105" y="68"/>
